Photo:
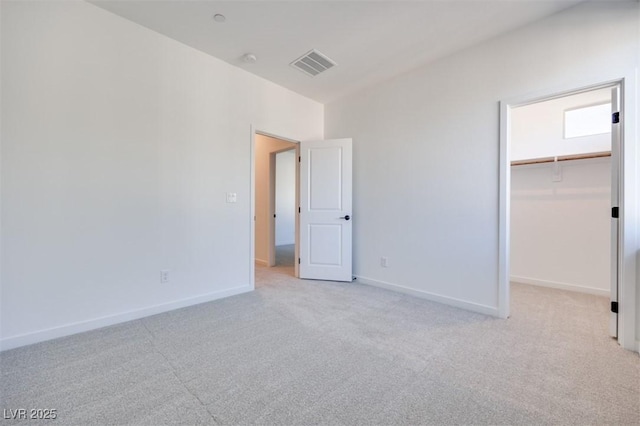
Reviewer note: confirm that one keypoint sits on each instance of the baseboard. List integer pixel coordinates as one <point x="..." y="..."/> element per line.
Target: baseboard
<point x="79" y="327"/>
<point x="457" y="303"/>
<point x="561" y="286"/>
<point x="261" y="262"/>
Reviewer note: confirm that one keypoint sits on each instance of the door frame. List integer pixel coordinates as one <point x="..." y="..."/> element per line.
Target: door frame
<point x="627" y="244"/>
<point x="252" y="200"/>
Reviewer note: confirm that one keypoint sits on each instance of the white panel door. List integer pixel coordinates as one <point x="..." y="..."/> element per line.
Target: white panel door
<point x="615" y="203"/>
<point x="325" y="210"/>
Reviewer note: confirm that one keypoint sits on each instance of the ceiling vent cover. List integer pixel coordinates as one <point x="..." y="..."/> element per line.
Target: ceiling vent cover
<point x="313" y="63"/>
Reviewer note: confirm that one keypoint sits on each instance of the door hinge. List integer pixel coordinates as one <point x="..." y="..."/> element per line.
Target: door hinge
<point x="614" y="307"/>
<point x="299" y="159"/>
<point x="298" y="261"/>
<point x="615" y="212"/>
<point x="274" y="216"/>
<point x="615" y="117"/>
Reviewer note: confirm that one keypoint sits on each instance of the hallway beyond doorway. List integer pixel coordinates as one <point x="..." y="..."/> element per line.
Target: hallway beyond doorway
<point x="285" y="255"/>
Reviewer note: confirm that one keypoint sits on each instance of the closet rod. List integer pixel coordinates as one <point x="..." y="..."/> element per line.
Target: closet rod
<point x="562" y="158"/>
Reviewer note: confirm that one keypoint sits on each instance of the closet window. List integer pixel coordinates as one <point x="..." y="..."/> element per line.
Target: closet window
<point x="587" y="121"/>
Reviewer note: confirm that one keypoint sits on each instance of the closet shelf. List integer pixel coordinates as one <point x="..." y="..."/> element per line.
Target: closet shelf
<point x="562" y="158"/>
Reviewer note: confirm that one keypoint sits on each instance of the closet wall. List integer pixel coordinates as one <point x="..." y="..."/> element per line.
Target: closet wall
<point x="560" y="212"/>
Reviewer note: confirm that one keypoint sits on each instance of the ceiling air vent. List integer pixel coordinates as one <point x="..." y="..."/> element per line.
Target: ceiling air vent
<point x="313" y="63"/>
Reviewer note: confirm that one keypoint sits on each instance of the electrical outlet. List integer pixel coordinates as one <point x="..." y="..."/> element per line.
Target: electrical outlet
<point x="232" y="197"/>
<point x="384" y="262"/>
<point x="164" y="276"/>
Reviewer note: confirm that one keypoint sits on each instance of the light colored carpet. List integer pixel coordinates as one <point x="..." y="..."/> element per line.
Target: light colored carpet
<point x="305" y="352"/>
<point x="285" y="255"/>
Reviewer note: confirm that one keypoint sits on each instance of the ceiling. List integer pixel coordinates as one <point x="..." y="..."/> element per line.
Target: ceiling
<point x="371" y="41"/>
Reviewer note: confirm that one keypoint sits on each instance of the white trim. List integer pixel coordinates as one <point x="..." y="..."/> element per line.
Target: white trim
<point x="82" y="326"/>
<point x="504" y="214"/>
<point x="456" y="303"/>
<point x="252" y="208"/>
<point x="628" y="325"/>
<point x="296" y="258"/>
<point x="561" y="286"/>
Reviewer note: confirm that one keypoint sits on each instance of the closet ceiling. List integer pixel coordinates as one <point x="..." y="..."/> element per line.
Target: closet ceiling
<point x="370" y="41"/>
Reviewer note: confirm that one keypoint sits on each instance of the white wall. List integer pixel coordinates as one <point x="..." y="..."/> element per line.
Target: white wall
<point x="426" y="150"/>
<point x="265" y="146"/>
<point x="537" y="130"/>
<point x="561" y="231"/>
<point x="118" y="146"/>
<point x="286" y="198"/>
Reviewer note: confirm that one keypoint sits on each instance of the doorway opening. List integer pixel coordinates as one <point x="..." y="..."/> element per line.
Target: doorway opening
<point x="275" y="200"/>
<point x="560" y="184"/>
<point x="284" y="199"/>
<point x="323" y="200"/>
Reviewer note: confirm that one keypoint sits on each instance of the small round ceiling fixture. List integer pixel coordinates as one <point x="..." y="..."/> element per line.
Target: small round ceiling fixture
<point x="249" y="58"/>
<point x="218" y="17"/>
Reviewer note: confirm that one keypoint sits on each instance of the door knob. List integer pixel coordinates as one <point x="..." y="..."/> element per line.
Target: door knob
<point x="347" y="217"/>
